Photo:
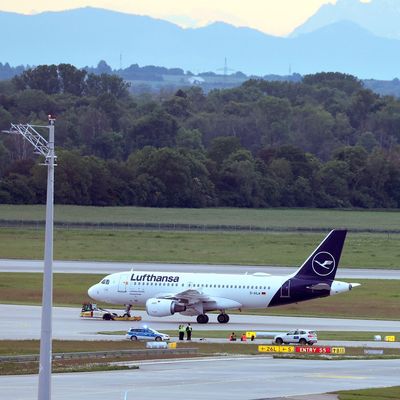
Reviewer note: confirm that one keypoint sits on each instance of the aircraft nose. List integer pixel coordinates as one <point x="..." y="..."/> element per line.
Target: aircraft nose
<point x="93" y="291"/>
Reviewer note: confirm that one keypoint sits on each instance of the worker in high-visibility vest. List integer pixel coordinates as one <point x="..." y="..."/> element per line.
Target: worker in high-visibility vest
<point x="181" y="331"/>
<point x="243" y="338"/>
<point x="189" y="332"/>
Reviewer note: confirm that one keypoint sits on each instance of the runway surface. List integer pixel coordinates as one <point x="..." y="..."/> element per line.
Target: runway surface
<point x="23" y="322"/>
<point x="104" y="268"/>
<point x="241" y="378"/>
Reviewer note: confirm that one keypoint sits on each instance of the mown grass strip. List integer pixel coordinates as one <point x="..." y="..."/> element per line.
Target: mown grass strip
<point x="322" y="335"/>
<point x="273" y="217"/>
<point x="65" y="366"/>
<point x="387" y="393"/>
<point x="13" y="347"/>
<point x="23" y="347"/>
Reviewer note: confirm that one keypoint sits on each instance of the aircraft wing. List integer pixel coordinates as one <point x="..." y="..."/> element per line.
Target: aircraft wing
<point x="196" y="302"/>
<point x="189" y="296"/>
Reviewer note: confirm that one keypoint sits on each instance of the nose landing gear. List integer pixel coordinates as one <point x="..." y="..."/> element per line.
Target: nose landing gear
<point x="128" y="310"/>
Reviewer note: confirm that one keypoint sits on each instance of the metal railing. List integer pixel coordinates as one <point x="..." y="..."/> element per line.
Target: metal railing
<point x="99" y="354"/>
<point x="154" y="226"/>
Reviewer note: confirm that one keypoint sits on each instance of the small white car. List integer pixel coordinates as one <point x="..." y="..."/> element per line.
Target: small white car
<point x="90" y="310"/>
<point x="300" y="336"/>
<point x="146" y="334"/>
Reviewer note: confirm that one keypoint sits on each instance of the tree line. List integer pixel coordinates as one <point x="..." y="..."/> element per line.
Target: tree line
<point x="325" y="141"/>
<point x="151" y="73"/>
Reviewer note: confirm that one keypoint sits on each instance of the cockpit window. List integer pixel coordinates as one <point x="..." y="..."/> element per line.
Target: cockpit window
<point x="103" y="281"/>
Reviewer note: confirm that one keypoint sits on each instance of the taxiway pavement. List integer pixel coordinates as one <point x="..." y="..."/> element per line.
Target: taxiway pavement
<point x="104" y="268"/>
<point x="23" y="322"/>
<point x="226" y="378"/>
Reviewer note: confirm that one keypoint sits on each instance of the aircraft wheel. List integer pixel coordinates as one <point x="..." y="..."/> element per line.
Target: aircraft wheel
<point x="202" y="318"/>
<point x="223" y="318"/>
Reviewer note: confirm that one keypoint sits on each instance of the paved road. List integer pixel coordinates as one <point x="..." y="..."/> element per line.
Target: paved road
<point x="104" y="268"/>
<point x="241" y="378"/>
<point x="23" y="322"/>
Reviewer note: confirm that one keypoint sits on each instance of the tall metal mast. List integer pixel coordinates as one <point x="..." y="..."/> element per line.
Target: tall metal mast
<point x="45" y="148"/>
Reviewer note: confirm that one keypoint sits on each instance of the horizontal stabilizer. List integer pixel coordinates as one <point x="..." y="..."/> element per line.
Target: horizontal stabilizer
<point x="353" y="285"/>
<point x="320" y="286"/>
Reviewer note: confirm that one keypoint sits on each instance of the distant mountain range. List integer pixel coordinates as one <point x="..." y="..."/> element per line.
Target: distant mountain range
<point x="85" y="36"/>
<point x="380" y="17"/>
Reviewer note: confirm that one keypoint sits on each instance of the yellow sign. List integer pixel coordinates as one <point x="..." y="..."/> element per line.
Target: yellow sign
<point x="390" y="338"/>
<point x="338" y="350"/>
<point x="250" y="335"/>
<point x="276" y="349"/>
<point x="172" y="345"/>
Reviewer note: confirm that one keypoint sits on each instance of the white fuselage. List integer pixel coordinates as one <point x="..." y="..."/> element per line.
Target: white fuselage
<point x="248" y="291"/>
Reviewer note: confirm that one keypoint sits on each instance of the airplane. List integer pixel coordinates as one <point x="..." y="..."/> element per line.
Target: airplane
<point x="194" y="294"/>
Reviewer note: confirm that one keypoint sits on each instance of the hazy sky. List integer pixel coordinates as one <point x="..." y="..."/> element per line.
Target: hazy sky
<point x="278" y="17"/>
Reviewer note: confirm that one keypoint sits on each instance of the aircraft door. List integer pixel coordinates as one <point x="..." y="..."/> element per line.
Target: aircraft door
<point x="285" y="289"/>
<point x="123" y="283"/>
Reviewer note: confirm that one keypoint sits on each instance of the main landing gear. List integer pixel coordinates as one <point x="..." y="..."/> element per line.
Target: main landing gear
<point x="128" y="310"/>
<point x="202" y="318"/>
<point x="223" y="318"/>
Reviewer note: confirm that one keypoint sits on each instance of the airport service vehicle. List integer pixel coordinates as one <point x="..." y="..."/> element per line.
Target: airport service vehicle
<point x="146" y="334"/>
<point x="90" y="310"/>
<point x="300" y="336"/>
<point x="195" y="294"/>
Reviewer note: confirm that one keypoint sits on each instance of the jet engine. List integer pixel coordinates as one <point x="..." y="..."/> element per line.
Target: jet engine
<point x="163" y="307"/>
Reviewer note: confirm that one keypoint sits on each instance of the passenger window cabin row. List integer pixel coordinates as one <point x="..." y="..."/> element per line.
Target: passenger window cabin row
<point x="193" y="285"/>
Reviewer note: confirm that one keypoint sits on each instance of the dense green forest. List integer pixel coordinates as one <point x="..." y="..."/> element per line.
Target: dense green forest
<point x="151" y="78"/>
<point x="323" y="142"/>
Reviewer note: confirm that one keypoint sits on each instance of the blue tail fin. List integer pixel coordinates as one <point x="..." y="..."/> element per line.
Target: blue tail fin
<point x="323" y="262"/>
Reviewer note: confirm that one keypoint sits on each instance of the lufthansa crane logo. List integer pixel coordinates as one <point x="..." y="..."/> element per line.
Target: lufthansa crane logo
<point x="323" y="263"/>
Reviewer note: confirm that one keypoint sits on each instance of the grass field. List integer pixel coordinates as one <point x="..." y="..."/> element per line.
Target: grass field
<point x="21" y="347"/>
<point x="322" y="335"/>
<point x="8" y="347"/>
<point x="68" y="289"/>
<point x="360" y="250"/>
<point x="389" y="393"/>
<point x="375" y="299"/>
<point x="275" y="218"/>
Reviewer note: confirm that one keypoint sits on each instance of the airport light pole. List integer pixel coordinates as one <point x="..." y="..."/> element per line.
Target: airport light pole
<point x="46" y="149"/>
